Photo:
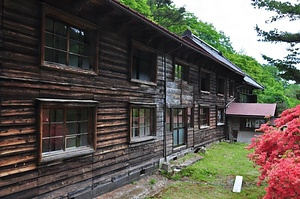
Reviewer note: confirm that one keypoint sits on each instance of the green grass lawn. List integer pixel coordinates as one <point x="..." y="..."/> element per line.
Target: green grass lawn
<point x="214" y="175"/>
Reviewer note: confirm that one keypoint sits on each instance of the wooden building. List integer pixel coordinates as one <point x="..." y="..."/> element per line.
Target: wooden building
<point x="93" y="96"/>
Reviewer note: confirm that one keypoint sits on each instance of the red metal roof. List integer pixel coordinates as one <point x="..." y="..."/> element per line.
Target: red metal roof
<point x="251" y="109"/>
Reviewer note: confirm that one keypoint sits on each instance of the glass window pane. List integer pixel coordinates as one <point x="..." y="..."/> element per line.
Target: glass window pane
<point x="135" y="122"/>
<point x="60" y="28"/>
<point x="49" y="25"/>
<point x="60" y="43"/>
<point x="74" y="60"/>
<point x="86" y="63"/>
<point x="86" y="37"/>
<point x="135" y="132"/>
<point x="56" y="130"/>
<point x="75" y="33"/>
<point x="83" y="140"/>
<point x="61" y="57"/>
<point x="74" y="47"/>
<point x="56" y="115"/>
<point x="82" y="127"/>
<point x="71" y="142"/>
<point x="147" y="131"/>
<point x="85" y="50"/>
<point x="56" y="144"/>
<point x="49" y="40"/>
<point x="71" y="115"/>
<point x="45" y="145"/>
<point x="83" y="114"/>
<point x="49" y="55"/>
<point x="71" y="128"/>
<point x="46" y="131"/>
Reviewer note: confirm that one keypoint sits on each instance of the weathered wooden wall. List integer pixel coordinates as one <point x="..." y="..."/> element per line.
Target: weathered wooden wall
<point x="116" y="161"/>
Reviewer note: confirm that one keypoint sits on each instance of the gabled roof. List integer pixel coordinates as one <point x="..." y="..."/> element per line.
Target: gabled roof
<point x="217" y="55"/>
<point x="251" y="109"/>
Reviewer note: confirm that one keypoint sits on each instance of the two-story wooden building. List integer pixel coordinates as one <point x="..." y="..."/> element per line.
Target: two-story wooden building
<point x="93" y="96"/>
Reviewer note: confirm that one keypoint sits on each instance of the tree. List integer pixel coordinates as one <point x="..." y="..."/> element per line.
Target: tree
<point x="277" y="152"/>
<point x="287" y="66"/>
<point x="140" y="6"/>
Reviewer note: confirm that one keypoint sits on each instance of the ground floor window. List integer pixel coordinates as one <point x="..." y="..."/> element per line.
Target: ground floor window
<point x="142" y="122"/>
<point x="251" y="123"/>
<point x="220" y="116"/>
<point x="67" y="128"/>
<point x="204" y="117"/>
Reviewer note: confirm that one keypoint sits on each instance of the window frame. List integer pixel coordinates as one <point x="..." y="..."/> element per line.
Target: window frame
<point x="201" y="126"/>
<point x="43" y="104"/>
<point x="244" y="121"/>
<point x="153" y="73"/>
<point x="185" y="70"/>
<point x="220" y="123"/>
<point x="207" y="81"/>
<point x="223" y="91"/>
<point x="76" y="22"/>
<point x="153" y="132"/>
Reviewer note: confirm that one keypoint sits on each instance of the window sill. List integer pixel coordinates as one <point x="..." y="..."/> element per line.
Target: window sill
<point x="204" y="127"/>
<point x="205" y="92"/>
<point x="57" y="66"/>
<point x="220" y="124"/>
<point x="143" y="82"/>
<point x="70" y="153"/>
<point x="220" y="95"/>
<point x="142" y="139"/>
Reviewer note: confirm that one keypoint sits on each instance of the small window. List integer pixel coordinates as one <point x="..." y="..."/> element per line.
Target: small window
<point x="251" y="124"/>
<point x="220" y="116"/>
<point x="204" y="117"/>
<point x="205" y="81"/>
<point x="231" y="88"/>
<point x="66" y="129"/>
<point x="142" y="122"/>
<point x="143" y="64"/>
<point x="221" y="86"/>
<point x="68" y="42"/>
<point x="181" y="72"/>
<point x="179" y="126"/>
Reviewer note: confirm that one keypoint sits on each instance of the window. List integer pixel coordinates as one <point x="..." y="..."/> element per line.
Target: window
<point x="142" y="122"/>
<point x="220" y="116"/>
<point x="204" y="117"/>
<point x="205" y="81"/>
<point x="221" y="86"/>
<point x="178" y="127"/>
<point x="251" y="123"/>
<point x="181" y="72"/>
<point x="190" y="119"/>
<point x="68" y="41"/>
<point x="231" y="88"/>
<point x="67" y="129"/>
<point x="143" y="64"/>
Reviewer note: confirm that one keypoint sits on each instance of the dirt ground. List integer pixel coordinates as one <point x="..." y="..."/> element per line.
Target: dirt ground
<point x="150" y="185"/>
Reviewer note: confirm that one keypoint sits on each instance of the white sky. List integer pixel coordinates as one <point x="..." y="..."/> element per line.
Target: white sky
<point x="237" y="19"/>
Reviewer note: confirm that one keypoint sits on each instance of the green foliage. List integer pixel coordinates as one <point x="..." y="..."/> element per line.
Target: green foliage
<point x="140" y="6"/>
<point x="287" y="66"/>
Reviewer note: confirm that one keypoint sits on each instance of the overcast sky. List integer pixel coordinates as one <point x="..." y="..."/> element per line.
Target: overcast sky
<point x="237" y="19"/>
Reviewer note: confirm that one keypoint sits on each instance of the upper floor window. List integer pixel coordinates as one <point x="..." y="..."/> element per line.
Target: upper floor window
<point x="231" y="88"/>
<point x="181" y="72"/>
<point x="142" y="122"/>
<point x="143" y="64"/>
<point x="204" y="117"/>
<point x="205" y="81"/>
<point x="68" y="42"/>
<point x="220" y="116"/>
<point x="221" y="86"/>
<point x="66" y="129"/>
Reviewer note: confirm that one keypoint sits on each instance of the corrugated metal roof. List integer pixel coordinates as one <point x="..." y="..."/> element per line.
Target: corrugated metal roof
<point x="251" y="109"/>
<point x="218" y="55"/>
